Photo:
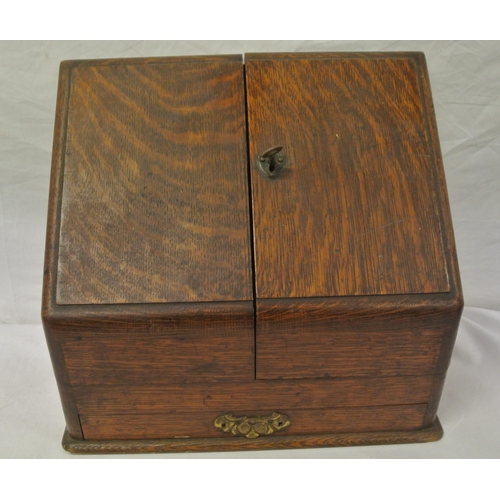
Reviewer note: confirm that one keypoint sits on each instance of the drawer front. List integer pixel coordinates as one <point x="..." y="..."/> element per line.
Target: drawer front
<point x="239" y="396"/>
<point x="308" y="421"/>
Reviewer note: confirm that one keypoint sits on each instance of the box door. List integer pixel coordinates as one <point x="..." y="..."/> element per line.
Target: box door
<point x="347" y="208"/>
<point x="154" y="198"/>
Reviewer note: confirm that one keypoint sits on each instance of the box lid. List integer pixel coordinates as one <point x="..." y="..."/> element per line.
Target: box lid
<point x="356" y="210"/>
<point x="153" y="192"/>
<point x="152" y="160"/>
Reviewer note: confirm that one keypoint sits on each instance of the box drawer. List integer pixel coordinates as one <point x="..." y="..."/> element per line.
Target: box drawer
<point x="199" y="425"/>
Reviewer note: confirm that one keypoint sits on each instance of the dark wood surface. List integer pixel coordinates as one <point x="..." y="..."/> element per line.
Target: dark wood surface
<point x="230" y="396"/>
<point x="66" y="392"/>
<point x="434" y="399"/>
<point x="154" y="200"/>
<point x="356" y="336"/>
<point x="104" y="200"/>
<point x="157" y="315"/>
<point x="201" y="424"/>
<point x="356" y="211"/>
<point x="140" y="320"/>
<point x="432" y="433"/>
<point x="174" y="359"/>
<point x="164" y="343"/>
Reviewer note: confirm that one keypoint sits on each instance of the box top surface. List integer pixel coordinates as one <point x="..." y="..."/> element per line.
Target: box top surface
<point x="151" y="170"/>
<point x="357" y="210"/>
<point x="154" y="204"/>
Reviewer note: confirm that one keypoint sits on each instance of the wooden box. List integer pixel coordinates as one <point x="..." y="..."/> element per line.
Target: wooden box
<point x="205" y="290"/>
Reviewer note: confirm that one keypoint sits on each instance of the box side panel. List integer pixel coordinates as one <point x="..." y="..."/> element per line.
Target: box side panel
<point x="441" y="190"/>
<point x="66" y="393"/>
<point x="51" y="253"/>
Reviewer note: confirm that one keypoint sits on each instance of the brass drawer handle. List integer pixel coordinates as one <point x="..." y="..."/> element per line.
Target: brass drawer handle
<point x="252" y="427"/>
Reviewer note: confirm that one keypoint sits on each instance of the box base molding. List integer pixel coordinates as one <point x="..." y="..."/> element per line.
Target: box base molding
<point x="181" y="445"/>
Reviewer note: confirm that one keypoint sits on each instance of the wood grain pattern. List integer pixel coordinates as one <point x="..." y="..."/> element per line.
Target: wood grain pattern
<point x="50" y="264"/>
<point x="428" y="434"/>
<point x="174" y="359"/>
<point x="212" y="324"/>
<point x="65" y="389"/>
<point x="434" y="399"/>
<point x="190" y="425"/>
<point x="242" y="396"/>
<point x="355" y="212"/>
<point x="152" y="343"/>
<point x="154" y="202"/>
<point x="137" y="321"/>
<point x="148" y="304"/>
<point x="356" y="336"/>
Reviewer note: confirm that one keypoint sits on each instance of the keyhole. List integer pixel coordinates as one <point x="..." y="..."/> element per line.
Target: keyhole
<point x="270" y="164"/>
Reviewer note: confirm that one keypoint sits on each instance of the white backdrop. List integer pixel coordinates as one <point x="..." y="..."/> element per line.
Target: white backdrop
<point x="465" y="79"/>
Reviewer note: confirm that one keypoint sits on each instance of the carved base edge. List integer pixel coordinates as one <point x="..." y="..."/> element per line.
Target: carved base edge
<point x="274" y="442"/>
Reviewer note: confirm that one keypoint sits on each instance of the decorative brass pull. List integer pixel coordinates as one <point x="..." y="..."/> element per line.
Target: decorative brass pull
<point x="271" y="163"/>
<point x="252" y="427"/>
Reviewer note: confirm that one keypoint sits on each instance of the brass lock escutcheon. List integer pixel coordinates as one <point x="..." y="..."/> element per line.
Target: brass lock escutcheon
<point x="252" y="427"/>
<point x="271" y="163"/>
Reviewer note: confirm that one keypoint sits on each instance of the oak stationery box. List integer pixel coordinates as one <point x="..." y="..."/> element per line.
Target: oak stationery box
<point x="248" y="256"/>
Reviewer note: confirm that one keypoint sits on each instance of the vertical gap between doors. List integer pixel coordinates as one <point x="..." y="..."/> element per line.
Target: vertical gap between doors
<point x="252" y="246"/>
